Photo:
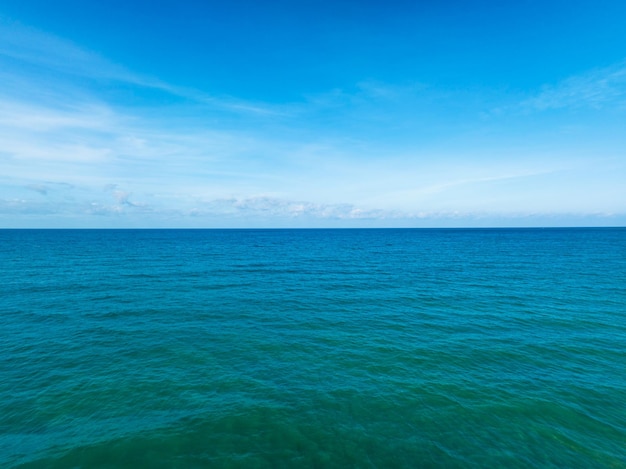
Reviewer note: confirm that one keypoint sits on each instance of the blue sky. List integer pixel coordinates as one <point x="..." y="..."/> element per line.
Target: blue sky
<point x="312" y="114"/>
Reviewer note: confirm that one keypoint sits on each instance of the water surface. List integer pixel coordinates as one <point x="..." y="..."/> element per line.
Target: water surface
<point x="313" y="348"/>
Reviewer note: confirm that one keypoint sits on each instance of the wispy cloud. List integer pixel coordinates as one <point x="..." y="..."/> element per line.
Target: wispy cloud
<point x="368" y="91"/>
<point x="596" y="89"/>
<point x="26" y="45"/>
<point x="32" y="46"/>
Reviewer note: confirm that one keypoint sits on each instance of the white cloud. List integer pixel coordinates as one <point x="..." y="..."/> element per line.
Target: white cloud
<point x="283" y="208"/>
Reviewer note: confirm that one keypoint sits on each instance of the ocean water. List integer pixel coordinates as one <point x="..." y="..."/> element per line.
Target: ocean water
<point x="313" y="348"/>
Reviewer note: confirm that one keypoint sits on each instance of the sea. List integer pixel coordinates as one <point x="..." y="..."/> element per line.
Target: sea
<point x="313" y="348"/>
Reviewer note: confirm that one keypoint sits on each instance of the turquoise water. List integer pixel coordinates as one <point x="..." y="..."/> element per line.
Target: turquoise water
<point x="313" y="348"/>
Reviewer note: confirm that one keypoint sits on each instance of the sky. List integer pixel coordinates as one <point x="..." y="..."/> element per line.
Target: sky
<point x="247" y="114"/>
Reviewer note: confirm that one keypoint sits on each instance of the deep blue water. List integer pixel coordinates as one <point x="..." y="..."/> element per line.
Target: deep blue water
<point x="313" y="348"/>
